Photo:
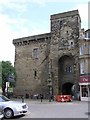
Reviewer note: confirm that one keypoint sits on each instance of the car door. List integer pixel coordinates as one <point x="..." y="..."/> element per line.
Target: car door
<point x="1" y="103"/>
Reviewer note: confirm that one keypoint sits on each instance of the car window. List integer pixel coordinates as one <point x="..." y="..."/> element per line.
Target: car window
<point x="4" y="99"/>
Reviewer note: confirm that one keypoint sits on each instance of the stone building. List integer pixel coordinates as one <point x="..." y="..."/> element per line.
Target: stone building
<point x="84" y="60"/>
<point x="49" y="63"/>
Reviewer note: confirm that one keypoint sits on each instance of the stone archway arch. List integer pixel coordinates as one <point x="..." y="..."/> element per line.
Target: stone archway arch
<point x="66" y="73"/>
<point x="67" y="88"/>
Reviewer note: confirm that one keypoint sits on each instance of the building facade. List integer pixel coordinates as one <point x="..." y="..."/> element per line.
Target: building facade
<point x="49" y="63"/>
<point x="84" y="59"/>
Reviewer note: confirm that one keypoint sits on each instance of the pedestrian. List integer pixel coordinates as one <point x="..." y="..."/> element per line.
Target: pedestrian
<point x="50" y="98"/>
<point x="22" y="98"/>
<point x="41" y="97"/>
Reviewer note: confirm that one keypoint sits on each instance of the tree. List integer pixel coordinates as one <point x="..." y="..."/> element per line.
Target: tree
<point x="7" y="70"/>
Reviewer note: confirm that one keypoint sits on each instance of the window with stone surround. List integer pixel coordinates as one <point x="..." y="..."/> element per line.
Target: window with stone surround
<point x="88" y="49"/>
<point x="87" y="34"/>
<point x="35" y="53"/>
<point x="82" y="67"/>
<point x="68" y="69"/>
<point x="81" y="50"/>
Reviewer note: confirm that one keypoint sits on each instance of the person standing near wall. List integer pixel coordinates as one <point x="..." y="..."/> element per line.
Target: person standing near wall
<point x="41" y="97"/>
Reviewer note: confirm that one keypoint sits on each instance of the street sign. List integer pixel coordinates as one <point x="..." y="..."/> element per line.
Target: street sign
<point x="11" y="78"/>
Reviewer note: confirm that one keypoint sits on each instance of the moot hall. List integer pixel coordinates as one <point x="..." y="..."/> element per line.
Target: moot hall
<point x="57" y="62"/>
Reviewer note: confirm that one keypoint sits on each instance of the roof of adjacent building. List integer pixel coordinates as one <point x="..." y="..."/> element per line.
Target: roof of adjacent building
<point x="88" y="30"/>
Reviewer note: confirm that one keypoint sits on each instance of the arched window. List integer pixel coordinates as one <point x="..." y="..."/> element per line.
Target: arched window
<point x="68" y="69"/>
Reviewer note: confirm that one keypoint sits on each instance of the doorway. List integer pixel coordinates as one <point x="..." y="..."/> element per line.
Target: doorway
<point x="67" y="88"/>
<point x="65" y="74"/>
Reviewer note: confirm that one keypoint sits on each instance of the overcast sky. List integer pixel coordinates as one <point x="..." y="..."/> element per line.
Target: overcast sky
<point x="22" y="18"/>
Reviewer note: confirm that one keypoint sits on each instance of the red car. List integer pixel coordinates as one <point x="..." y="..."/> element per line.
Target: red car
<point x="63" y="98"/>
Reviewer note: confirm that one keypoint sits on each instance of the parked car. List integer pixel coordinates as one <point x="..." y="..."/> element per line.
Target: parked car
<point x="63" y="98"/>
<point x="12" y="108"/>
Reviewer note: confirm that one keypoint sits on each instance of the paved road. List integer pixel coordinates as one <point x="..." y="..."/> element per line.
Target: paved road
<point x="46" y="109"/>
<point x="59" y="110"/>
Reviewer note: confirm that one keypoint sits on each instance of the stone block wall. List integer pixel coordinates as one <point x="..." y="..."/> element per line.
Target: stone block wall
<point x="64" y="41"/>
<point x="33" y="74"/>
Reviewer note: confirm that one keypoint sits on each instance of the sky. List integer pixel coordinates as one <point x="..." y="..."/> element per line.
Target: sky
<point x="22" y="18"/>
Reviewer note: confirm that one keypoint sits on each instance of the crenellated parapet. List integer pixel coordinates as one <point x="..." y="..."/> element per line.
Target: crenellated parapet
<point x="31" y="39"/>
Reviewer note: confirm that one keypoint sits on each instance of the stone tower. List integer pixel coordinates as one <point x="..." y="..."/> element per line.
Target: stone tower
<point x="64" y="51"/>
<point x="49" y="62"/>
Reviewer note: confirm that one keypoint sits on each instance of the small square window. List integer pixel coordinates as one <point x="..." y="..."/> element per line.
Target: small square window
<point x="71" y="43"/>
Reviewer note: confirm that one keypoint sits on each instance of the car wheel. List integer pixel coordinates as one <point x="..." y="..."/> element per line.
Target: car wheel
<point x="8" y="113"/>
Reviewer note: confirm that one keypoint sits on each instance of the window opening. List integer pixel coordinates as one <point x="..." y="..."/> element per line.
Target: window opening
<point x="35" y="53"/>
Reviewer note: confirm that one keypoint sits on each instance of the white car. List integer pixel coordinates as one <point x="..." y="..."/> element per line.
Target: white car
<point x="12" y="108"/>
<point x="1" y="114"/>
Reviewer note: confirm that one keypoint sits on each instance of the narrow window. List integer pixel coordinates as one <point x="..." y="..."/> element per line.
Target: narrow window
<point x="61" y="23"/>
<point x="35" y="53"/>
<point x="35" y="73"/>
<point x="89" y="49"/>
<point x="70" y="69"/>
<point x="72" y="44"/>
<point x="67" y="32"/>
<point x="82" y="69"/>
<point x="81" y="50"/>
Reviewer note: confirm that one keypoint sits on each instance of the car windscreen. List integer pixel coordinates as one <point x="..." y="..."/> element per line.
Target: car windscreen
<point x="4" y="99"/>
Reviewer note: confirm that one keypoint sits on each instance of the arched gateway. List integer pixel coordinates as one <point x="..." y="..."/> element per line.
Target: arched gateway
<point x="66" y="74"/>
<point x="67" y="88"/>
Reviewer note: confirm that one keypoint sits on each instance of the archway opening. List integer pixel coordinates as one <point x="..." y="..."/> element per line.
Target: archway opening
<point x="65" y="74"/>
<point x="67" y="89"/>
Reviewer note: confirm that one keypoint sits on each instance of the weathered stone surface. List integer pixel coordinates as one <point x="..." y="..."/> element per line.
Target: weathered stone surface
<point x="57" y="51"/>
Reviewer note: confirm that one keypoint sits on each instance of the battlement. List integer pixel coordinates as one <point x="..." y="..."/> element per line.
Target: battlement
<point x="28" y="39"/>
<point x="64" y="14"/>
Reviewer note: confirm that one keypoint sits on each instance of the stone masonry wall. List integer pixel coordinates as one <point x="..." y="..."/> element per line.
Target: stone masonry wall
<point x="32" y="74"/>
<point x="64" y="41"/>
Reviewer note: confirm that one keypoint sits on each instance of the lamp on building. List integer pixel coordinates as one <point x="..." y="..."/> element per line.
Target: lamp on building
<point x="74" y="67"/>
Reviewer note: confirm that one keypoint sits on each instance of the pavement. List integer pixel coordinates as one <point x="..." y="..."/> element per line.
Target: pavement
<point x="38" y="101"/>
<point x="33" y="100"/>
